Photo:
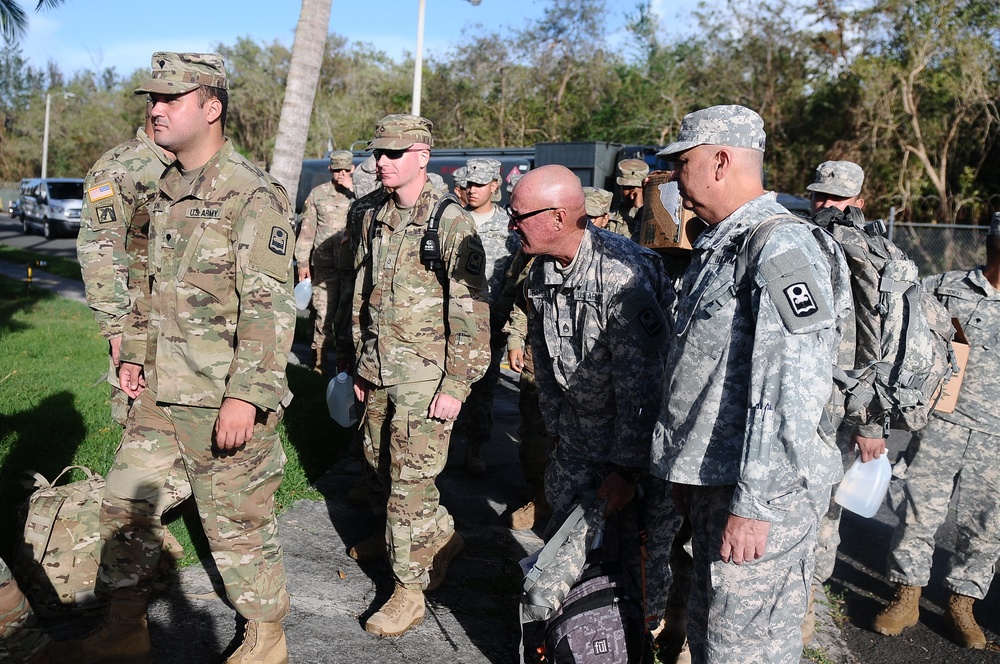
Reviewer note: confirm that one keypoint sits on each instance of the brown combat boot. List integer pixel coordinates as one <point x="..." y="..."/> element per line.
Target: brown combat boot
<point x="442" y="559"/>
<point x="963" y="622"/>
<point x="533" y="513"/>
<point x="263" y="643"/>
<point x="369" y="550"/>
<point x="123" y="638"/>
<point x="809" y="622"/>
<point x="903" y="612"/>
<point x="405" y="609"/>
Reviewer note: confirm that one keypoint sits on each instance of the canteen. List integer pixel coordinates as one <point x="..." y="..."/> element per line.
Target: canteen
<point x="303" y="294"/>
<point x="340" y="400"/>
<point x="864" y="485"/>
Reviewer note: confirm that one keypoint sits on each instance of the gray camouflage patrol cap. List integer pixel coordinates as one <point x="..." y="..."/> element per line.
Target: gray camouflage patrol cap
<point x="731" y="125"/>
<point x="460" y="176"/>
<point x="177" y="73"/>
<point x="401" y="131"/>
<point x="838" y="178"/>
<point x="438" y="183"/>
<point x="341" y="160"/>
<point x="596" y="201"/>
<point x="631" y="172"/>
<point x="994" y="225"/>
<point x="482" y="171"/>
<point x="512" y="180"/>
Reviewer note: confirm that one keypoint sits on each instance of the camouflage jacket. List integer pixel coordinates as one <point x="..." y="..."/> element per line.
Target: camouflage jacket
<point x="597" y="331"/>
<point x="404" y="331"/>
<point x="972" y="299"/>
<point x="500" y="244"/>
<point x="748" y="378"/>
<point x="624" y="220"/>
<point x="512" y="306"/>
<point x="111" y="246"/>
<point x="221" y="313"/>
<point x="324" y="220"/>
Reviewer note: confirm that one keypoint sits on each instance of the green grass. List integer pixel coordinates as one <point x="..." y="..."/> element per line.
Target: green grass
<point x="55" y="410"/>
<point x="62" y="267"/>
<point x="816" y="655"/>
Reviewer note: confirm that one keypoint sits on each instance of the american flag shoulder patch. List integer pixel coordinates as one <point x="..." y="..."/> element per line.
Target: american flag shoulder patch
<point x="101" y="191"/>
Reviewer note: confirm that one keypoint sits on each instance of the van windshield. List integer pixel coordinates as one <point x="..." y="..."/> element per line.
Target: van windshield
<point x="63" y="191"/>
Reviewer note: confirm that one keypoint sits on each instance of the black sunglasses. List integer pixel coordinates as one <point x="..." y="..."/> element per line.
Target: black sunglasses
<point x="391" y="154"/>
<point x="518" y="218"/>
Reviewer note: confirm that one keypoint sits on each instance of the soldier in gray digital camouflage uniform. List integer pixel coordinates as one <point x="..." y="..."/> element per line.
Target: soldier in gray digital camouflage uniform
<point x="204" y="357"/>
<point x="318" y="248"/>
<point x="461" y="189"/>
<point x="597" y="329"/>
<point x="626" y="218"/>
<point x="475" y="423"/>
<point x="749" y="373"/>
<point x="418" y="354"/>
<point x="957" y="453"/>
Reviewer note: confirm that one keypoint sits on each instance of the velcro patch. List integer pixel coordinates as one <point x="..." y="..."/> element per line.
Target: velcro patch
<point x="470" y="268"/>
<point x="100" y="192"/>
<point x="270" y="252"/>
<point x="642" y="312"/>
<point x="205" y="213"/>
<point x="792" y="287"/>
<point x="106" y="214"/>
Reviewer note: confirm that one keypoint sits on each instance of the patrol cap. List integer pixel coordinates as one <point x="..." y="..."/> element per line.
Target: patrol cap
<point x="401" y="131"/>
<point x="731" y="125"/>
<point x="482" y="170"/>
<point x="838" y="178"/>
<point x="596" y="201"/>
<point x="631" y="172"/>
<point x="438" y="183"/>
<point x="341" y="160"/>
<point x="177" y="73"/>
<point x="512" y="180"/>
<point x="994" y="226"/>
<point x="460" y="176"/>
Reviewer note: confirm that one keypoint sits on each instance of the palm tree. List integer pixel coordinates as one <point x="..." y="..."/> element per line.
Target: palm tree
<point x="13" y="20"/>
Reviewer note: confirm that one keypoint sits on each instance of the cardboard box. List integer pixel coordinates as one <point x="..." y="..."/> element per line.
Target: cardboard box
<point x="666" y="224"/>
<point x="949" y="391"/>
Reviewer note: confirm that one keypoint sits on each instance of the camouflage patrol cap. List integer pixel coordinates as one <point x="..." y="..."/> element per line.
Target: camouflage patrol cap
<point x="512" y="180"/>
<point x="341" y="160"/>
<point x="597" y="201"/>
<point x="731" y="125"/>
<point x="461" y="177"/>
<point x="438" y="183"/>
<point x="631" y="172"/>
<point x="994" y="226"/>
<point x="401" y="131"/>
<point x="838" y="178"/>
<point x="482" y="171"/>
<point x="177" y="73"/>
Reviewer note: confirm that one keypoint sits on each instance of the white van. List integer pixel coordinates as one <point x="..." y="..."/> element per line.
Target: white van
<point x="52" y="206"/>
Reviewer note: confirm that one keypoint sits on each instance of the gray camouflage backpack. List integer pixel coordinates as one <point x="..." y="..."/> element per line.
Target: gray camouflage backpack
<point x="896" y="353"/>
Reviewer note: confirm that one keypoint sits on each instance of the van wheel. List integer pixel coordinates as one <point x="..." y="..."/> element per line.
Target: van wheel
<point x="47" y="231"/>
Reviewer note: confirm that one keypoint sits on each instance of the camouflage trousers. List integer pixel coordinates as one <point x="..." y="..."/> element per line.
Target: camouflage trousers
<point x="948" y="458"/>
<point x="536" y="444"/>
<point x="326" y="301"/>
<point x="660" y="520"/>
<point x="409" y="450"/>
<point x="167" y="454"/>
<point x="20" y="636"/>
<point x="475" y="420"/>
<point x="751" y="613"/>
<point x="828" y="536"/>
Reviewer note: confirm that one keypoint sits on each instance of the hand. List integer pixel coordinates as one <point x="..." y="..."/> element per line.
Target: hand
<point x="617" y="490"/>
<point x="361" y="389"/>
<point x="743" y="540"/>
<point x="871" y="448"/>
<point x="131" y="379"/>
<point x="344" y="179"/>
<point x="115" y="349"/>
<point x="304" y="273"/>
<point x="681" y="494"/>
<point x="515" y="358"/>
<point x="234" y="425"/>
<point x="444" y="407"/>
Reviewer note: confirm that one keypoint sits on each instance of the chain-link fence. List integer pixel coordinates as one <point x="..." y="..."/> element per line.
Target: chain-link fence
<point x="937" y="248"/>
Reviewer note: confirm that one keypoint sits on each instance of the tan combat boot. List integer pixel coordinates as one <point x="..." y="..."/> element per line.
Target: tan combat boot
<point x="405" y="609"/>
<point x="369" y="550"/>
<point x="903" y="612"/>
<point x="809" y="622"/>
<point x="263" y="643"/>
<point x="442" y="559"/>
<point x="533" y="513"/>
<point x="123" y="638"/>
<point x="963" y="622"/>
<point x="474" y="462"/>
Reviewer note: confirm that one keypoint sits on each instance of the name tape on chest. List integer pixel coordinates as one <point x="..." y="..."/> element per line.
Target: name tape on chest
<point x="204" y="213"/>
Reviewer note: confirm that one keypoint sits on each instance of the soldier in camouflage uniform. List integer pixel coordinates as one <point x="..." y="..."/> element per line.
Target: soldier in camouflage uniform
<point x="461" y="189"/>
<point x="957" y="453"/>
<point x="748" y="376"/>
<point x="365" y="179"/>
<point x="211" y="343"/>
<point x="475" y="423"/>
<point x="598" y="205"/>
<point x="597" y="329"/>
<point x="627" y="217"/>
<point x="318" y="248"/>
<point x="111" y="246"/>
<point x="21" y="639"/>
<point x="421" y="332"/>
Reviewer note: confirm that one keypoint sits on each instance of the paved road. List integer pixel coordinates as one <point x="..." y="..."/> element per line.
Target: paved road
<point x="12" y="235"/>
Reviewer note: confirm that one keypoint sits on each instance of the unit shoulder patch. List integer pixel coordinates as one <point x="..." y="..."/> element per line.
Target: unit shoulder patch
<point x="270" y="253"/>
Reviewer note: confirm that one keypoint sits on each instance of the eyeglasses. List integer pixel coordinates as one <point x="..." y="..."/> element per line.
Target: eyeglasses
<point x="391" y="154"/>
<point x="518" y="218"/>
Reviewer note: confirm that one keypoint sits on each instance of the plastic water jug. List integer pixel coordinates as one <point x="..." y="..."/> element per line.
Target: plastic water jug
<point x="340" y="400"/>
<point x="864" y="485"/>
<point x="303" y="294"/>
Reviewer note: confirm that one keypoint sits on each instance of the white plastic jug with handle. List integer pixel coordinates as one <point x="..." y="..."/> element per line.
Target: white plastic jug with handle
<point x="340" y="400"/>
<point x="303" y="294"/>
<point x="864" y="485"/>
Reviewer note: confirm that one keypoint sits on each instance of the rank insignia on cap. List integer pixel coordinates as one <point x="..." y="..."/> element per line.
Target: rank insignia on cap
<point x="801" y="300"/>
<point x="279" y="240"/>
<point x="100" y="192"/>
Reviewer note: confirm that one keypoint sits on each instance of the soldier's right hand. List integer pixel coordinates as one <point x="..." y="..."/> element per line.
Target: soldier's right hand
<point x="361" y="389"/>
<point x="115" y="349"/>
<point x="515" y="358"/>
<point x="304" y="272"/>
<point x="131" y="379"/>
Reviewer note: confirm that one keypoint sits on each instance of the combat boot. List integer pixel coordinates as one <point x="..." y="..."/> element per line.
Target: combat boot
<point x="533" y="513"/>
<point x="123" y="638"/>
<point x="903" y="612"/>
<point x="442" y="559"/>
<point x="474" y="462"/>
<point x="369" y="550"/>
<point x="809" y="622"/>
<point x="963" y="622"/>
<point x="263" y="643"/>
<point x="405" y="609"/>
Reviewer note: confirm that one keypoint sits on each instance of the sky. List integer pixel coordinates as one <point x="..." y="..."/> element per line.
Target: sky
<point x="123" y="34"/>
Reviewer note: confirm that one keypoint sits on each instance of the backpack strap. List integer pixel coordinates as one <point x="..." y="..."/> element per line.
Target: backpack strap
<point x="430" y="244"/>
<point x="548" y="552"/>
